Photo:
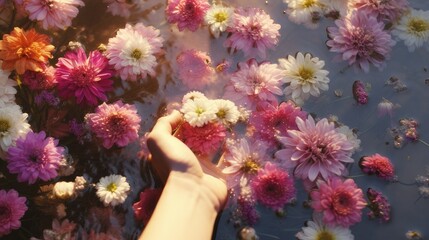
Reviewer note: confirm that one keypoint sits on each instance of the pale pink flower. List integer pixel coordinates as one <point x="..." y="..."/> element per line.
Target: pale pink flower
<point x="253" y="31"/>
<point x="119" y="7"/>
<point x="144" y="208"/>
<point x="386" y="11"/>
<point x="194" y="68"/>
<point x="12" y="209"/>
<point x="187" y="13"/>
<point x="60" y="230"/>
<point x="341" y="202"/>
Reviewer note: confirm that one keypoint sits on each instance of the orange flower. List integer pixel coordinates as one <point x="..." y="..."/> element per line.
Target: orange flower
<point x="25" y="50"/>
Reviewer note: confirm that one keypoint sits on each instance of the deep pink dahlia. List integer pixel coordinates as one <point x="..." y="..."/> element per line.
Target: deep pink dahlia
<point x="194" y="68"/>
<point x="253" y="31"/>
<point x="144" y="208"/>
<point x="40" y="80"/>
<point x="386" y="11"/>
<point x="361" y="40"/>
<point x="187" y="13"/>
<point x="86" y="79"/>
<point x="315" y="150"/>
<point x="378" y="165"/>
<point x="115" y="123"/>
<point x="273" y="187"/>
<point x="341" y="202"/>
<point x="56" y="14"/>
<point x="12" y="208"/>
<point x="203" y="140"/>
<point x="35" y="156"/>
<point x="272" y="121"/>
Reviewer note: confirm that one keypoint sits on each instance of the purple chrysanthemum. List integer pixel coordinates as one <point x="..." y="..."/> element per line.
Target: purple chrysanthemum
<point x="361" y="40"/>
<point x="86" y="79"/>
<point x="387" y="11"/>
<point x="35" y="156"/>
<point x="187" y="13"/>
<point x="378" y="204"/>
<point x="12" y="208"/>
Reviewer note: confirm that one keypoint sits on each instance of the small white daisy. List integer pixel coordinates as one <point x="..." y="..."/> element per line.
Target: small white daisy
<point x="13" y="124"/>
<point x="226" y="111"/>
<point x="305" y="75"/>
<point x="193" y="95"/>
<point x="219" y="18"/>
<point x="307" y="12"/>
<point x="113" y="190"/>
<point x="316" y="230"/>
<point x="351" y="136"/>
<point x="199" y="111"/>
<point x="7" y="88"/>
<point x="413" y="29"/>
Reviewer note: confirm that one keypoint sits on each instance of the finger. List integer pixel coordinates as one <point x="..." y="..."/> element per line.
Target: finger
<point x="168" y="123"/>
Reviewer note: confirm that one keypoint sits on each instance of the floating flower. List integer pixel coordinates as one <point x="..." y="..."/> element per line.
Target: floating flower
<point x="378" y="165"/>
<point x="114" y="124"/>
<point x="194" y="68"/>
<point x="60" y="230"/>
<point x="85" y="79"/>
<point x="378" y="204"/>
<point x="246" y="211"/>
<point x="226" y="111"/>
<point x="387" y="11"/>
<point x="360" y="40"/>
<point x="7" y="88"/>
<point x="385" y="107"/>
<point x="253" y="31"/>
<point x="219" y="18"/>
<point x="12" y="209"/>
<point x="188" y="14"/>
<point x="305" y="76"/>
<point x="351" y="136"/>
<point x="360" y="93"/>
<point x="34" y="157"/>
<point x="55" y="14"/>
<point x="132" y="51"/>
<point x="340" y="202"/>
<point x="204" y="140"/>
<point x="144" y="208"/>
<point x="25" y="50"/>
<point x="192" y="95"/>
<point x="247" y="233"/>
<point x="63" y="190"/>
<point x="43" y="80"/>
<point x="413" y="234"/>
<point x="273" y="187"/>
<point x="334" y="8"/>
<point x="119" y="7"/>
<point x="112" y="190"/>
<point x="307" y="12"/>
<point x="13" y="124"/>
<point x="317" y="230"/>
<point x="315" y="150"/>
<point x="198" y="112"/>
<point x="413" y="29"/>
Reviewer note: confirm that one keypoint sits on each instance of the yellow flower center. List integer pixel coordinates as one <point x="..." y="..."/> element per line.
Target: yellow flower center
<point x="4" y="126"/>
<point x="111" y="187"/>
<point x="308" y="3"/>
<point x="305" y="74"/>
<point x="417" y="25"/>
<point x="325" y="235"/>
<point x="220" y="17"/>
<point x="221" y="113"/>
<point x="136" y="54"/>
<point x="250" y="166"/>
<point x="199" y="111"/>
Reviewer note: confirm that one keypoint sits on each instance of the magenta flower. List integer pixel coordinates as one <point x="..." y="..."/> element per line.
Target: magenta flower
<point x="35" y="156"/>
<point x="378" y="165"/>
<point x="253" y="31"/>
<point x="246" y="210"/>
<point x="144" y="208"/>
<point x="40" y="80"/>
<point x="12" y="209"/>
<point x="194" y="68"/>
<point x="359" y="92"/>
<point x="86" y="79"/>
<point x="187" y="13"/>
<point x="361" y="40"/>
<point x="378" y="205"/>
<point x="315" y="150"/>
<point x="386" y="11"/>
<point x="273" y="187"/>
<point x="341" y="202"/>
<point x="115" y="123"/>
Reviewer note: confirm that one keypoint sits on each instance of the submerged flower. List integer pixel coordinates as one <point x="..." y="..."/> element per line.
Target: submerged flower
<point x="112" y="190"/>
<point x="187" y="13"/>
<point x="378" y="165"/>
<point x="273" y="187"/>
<point x="119" y="7"/>
<point x="305" y="76"/>
<point x="317" y="230"/>
<point x="85" y="79"/>
<point x="144" y="208"/>
<point x="340" y="202"/>
<point x="60" y="230"/>
<point x="205" y="139"/>
<point x="307" y="12"/>
<point x="7" y="88"/>
<point x="385" y="107"/>
<point x="114" y="124"/>
<point x="315" y="150"/>
<point x="378" y="204"/>
<point x="133" y="50"/>
<point x="43" y="80"/>
<point x="12" y="209"/>
<point x="387" y="11"/>
<point x="194" y="68"/>
<point x="334" y="8"/>
<point x="198" y="112"/>
<point x="360" y="93"/>
<point x="34" y="157"/>
<point x="413" y="29"/>
<point x="361" y="40"/>
<point x="253" y="31"/>
<point x="219" y="18"/>
<point x="351" y="136"/>
<point x="13" y="124"/>
<point x="55" y="14"/>
<point x="25" y="50"/>
<point x="413" y="234"/>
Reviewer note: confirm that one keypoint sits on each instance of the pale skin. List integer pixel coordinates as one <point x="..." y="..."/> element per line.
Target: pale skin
<point x="195" y="190"/>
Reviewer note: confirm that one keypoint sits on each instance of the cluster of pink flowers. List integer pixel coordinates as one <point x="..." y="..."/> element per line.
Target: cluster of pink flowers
<point x="378" y="205"/>
<point x="377" y="165"/>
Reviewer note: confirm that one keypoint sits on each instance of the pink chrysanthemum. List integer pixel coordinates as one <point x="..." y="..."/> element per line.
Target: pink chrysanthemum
<point x="187" y="13"/>
<point x="194" y="68"/>
<point x="35" y="156"/>
<point x="40" y="80"/>
<point x="12" y="209"/>
<point x="271" y="121"/>
<point x="144" y="208"/>
<point x="315" y="150"/>
<point x="55" y="14"/>
<point x="341" y="202"/>
<point x="133" y="51"/>
<point x="253" y="31"/>
<point x="203" y="140"/>
<point x="387" y="11"/>
<point x="378" y="165"/>
<point x="273" y="187"/>
<point x="115" y="123"/>
<point x="86" y="79"/>
<point x="361" y="40"/>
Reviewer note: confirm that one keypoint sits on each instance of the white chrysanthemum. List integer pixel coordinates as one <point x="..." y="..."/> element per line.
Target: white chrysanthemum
<point x="193" y="95"/>
<point x="198" y="112"/>
<point x="316" y="230"/>
<point x="13" y="124"/>
<point x="7" y="88"/>
<point x="413" y="29"/>
<point x="113" y="190"/>
<point x="337" y="8"/>
<point x="351" y="136"/>
<point x="305" y="12"/>
<point x="305" y="75"/>
<point x="226" y="111"/>
<point x="219" y="18"/>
